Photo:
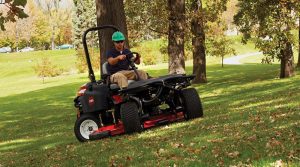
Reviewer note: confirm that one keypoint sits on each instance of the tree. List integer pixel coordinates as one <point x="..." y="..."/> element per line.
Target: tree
<point x="112" y="13"/>
<point x="198" y="42"/>
<point x="217" y="43"/>
<point x="42" y="32"/>
<point x="25" y="27"/>
<point x="36" y="30"/>
<point x="200" y="17"/>
<point x="271" y="23"/>
<point x="56" y="17"/>
<point x="64" y="35"/>
<point x="298" y="64"/>
<point x="151" y="19"/>
<point x="176" y="36"/>
<point x="84" y="17"/>
<point x="227" y="15"/>
<point x="14" y="9"/>
<point x="220" y="47"/>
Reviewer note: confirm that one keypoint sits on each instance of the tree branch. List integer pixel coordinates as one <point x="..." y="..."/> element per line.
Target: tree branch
<point x="160" y="32"/>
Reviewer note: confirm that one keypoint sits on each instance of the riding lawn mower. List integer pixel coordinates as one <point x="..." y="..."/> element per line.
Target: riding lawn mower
<point x="104" y="110"/>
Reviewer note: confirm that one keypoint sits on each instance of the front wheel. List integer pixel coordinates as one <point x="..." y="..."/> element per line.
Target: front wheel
<point x="85" y="125"/>
<point x="130" y="117"/>
<point x="191" y="103"/>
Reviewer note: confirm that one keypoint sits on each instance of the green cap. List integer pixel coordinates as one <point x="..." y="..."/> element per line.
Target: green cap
<point x="118" y="36"/>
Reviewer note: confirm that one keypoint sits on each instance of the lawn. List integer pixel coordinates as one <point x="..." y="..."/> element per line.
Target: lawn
<point x="251" y="118"/>
<point x="17" y="72"/>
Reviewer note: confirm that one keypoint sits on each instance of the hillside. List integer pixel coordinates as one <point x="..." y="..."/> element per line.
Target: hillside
<point x="251" y="118"/>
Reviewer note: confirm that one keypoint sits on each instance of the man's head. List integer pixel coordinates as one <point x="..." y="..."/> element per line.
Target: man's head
<point x="118" y="39"/>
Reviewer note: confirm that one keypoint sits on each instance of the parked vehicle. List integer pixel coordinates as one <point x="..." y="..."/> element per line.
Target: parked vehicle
<point x="65" y="46"/>
<point x="26" y="49"/>
<point x="5" y="49"/>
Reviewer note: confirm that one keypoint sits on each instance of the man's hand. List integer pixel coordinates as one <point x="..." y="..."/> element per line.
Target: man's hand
<point x="121" y="57"/>
<point x="114" y="61"/>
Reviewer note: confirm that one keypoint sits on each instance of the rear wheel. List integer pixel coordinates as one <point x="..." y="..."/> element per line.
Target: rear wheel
<point x="130" y="117"/>
<point x="191" y="103"/>
<point x="85" y="125"/>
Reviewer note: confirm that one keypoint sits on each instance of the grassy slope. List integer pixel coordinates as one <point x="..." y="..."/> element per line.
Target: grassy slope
<point x="251" y="117"/>
<point x="17" y="73"/>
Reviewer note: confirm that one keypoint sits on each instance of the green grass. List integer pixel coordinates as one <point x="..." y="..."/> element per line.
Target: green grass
<point x="242" y="48"/>
<point x="251" y="117"/>
<point x="17" y="70"/>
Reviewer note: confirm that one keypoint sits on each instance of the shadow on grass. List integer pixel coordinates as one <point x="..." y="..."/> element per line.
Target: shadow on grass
<point x="250" y="118"/>
<point x="41" y="118"/>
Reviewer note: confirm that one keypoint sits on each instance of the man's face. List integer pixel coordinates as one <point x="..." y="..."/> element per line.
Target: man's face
<point x="119" y="45"/>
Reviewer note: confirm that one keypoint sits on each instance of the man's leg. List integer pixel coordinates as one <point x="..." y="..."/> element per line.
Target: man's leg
<point x="120" y="79"/>
<point x="131" y="75"/>
<point x="143" y="75"/>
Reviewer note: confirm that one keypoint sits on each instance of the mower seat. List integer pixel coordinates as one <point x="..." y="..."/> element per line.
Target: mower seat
<point x="113" y="86"/>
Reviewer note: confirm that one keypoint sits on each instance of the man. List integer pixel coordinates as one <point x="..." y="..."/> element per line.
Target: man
<point x="118" y="64"/>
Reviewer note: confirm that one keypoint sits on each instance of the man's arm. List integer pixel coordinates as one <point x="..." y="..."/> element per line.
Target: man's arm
<point x="114" y="61"/>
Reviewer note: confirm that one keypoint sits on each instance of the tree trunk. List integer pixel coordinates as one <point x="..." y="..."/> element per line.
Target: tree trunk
<point x="198" y="41"/>
<point x="176" y="36"/>
<point x="222" y="61"/>
<point x="52" y="38"/>
<point x="17" y="37"/>
<point x="110" y="13"/>
<point x="298" y="64"/>
<point x="287" y="61"/>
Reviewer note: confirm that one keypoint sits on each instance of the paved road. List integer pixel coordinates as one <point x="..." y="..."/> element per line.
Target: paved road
<point x="236" y="59"/>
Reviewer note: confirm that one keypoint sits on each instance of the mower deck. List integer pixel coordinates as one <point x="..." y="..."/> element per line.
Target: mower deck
<point x="117" y="129"/>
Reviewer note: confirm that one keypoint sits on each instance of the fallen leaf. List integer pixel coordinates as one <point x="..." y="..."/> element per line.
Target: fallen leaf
<point x="177" y="145"/>
<point x="273" y="143"/>
<point x="252" y="138"/>
<point x="216" y="152"/>
<point x="233" y="154"/>
<point x="195" y="151"/>
<point x="128" y="158"/>
<point x="246" y="123"/>
<point x="216" y="140"/>
<point x="278" y="163"/>
<point x="221" y="163"/>
<point x="161" y="151"/>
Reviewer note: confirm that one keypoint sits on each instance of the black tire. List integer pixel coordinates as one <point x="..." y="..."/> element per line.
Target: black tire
<point x="86" y="124"/>
<point x="130" y="117"/>
<point x="191" y="103"/>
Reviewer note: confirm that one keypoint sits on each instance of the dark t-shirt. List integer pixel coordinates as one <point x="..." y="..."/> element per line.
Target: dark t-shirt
<point x="121" y="65"/>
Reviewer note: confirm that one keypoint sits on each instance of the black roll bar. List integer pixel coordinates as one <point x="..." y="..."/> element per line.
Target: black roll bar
<point x="86" y="51"/>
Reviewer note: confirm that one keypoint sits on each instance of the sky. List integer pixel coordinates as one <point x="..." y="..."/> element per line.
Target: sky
<point x="64" y="4"/>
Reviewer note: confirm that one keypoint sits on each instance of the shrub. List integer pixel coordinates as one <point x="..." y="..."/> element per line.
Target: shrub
<point x="46" y="69"/>
<point x="81" y="64"/>
<point x="149" y="60"/>
<point x="149" y="54"/>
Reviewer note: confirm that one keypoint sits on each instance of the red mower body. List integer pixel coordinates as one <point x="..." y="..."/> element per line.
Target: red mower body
<point x="117" y="129"/>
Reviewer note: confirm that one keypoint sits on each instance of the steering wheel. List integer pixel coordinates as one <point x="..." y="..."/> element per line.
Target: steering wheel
<point x="132" y="59"/>
<point x="135" y="56"/>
